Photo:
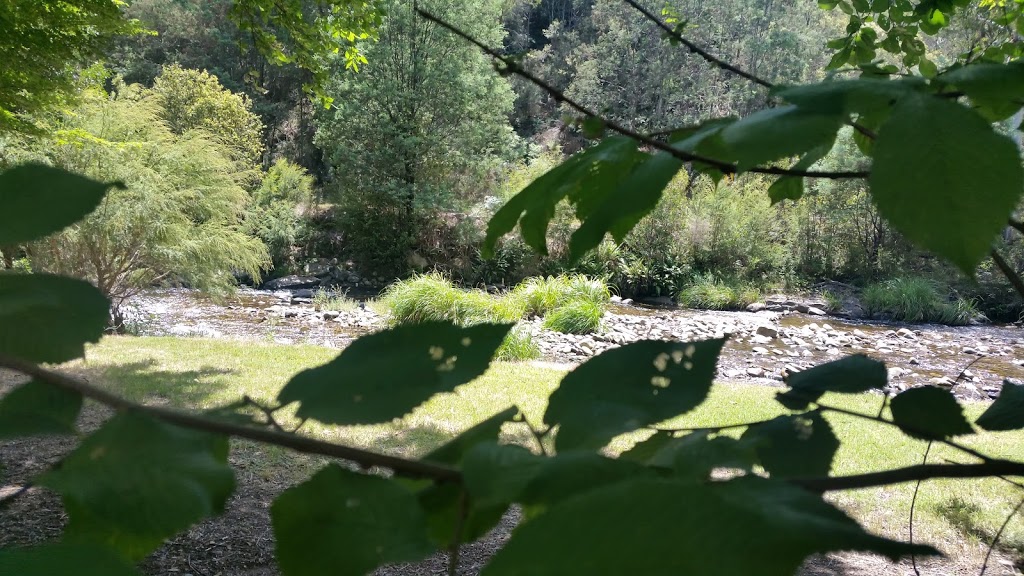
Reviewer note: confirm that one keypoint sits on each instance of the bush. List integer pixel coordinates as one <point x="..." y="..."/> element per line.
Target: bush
<point x="916" y="300"/>
<point x="709" y="293"/>
<point x="539" y="296"/>
<point x="578" y="317"/>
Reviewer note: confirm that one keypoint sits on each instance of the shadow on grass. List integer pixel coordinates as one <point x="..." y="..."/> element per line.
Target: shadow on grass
<point x="142" y="382"/>
<point x="963" y="515"/>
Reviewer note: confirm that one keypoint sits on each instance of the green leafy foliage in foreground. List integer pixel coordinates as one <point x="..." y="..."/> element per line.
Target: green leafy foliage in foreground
<point x="694" y="501"/>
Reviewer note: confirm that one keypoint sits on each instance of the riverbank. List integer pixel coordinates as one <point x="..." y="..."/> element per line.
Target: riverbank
<point x="763" y="346"/>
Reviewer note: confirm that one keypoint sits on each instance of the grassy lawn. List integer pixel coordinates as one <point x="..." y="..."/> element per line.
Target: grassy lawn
<point x="958" y="516"/>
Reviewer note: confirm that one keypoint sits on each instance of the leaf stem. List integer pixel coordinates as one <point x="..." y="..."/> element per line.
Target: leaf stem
<point x="995" y="540"/>
<point x="913" y="505"/>
<point x="1008" y="271"/>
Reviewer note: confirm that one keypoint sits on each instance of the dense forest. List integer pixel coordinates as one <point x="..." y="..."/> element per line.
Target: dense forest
<point x="397" y="164"/>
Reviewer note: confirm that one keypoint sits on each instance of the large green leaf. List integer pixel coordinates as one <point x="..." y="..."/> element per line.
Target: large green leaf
<point x="852" y="374"/>
<point x="385" y="375"/>
<point x="138" y="481"/>
<point x="64" y="559"/>
<point x="498" y="473"/>
<point x="929" y="413"/>
<point x="635" y="196"/>
<point x="945" y="179"/>
<point x="663" y="527"/>
<point x="36" y="408"/>
<point x="694" y="455"/>
<point x="630" y="387"/>
<point x="1007" y="412"/>
<point x="567" y="475"/>
<point x="39" y="200"/>
<point x="779" y="133"/>
<point x="799" y="445"/>
<point x="792" y="187"/>
<point x="997" y="88"/>
<point x="444" y="503"/>
<point x="341" y="523"/>
<point x="588" y="177"/>
<point x="858" y="96"/>
<point x="47" y="318"/>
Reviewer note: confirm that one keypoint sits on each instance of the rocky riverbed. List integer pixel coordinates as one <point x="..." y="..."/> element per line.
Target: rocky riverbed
<point x="763" y="346"/>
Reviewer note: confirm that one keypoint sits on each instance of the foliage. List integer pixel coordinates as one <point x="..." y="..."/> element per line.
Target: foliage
<point x="277" y="212"/>
<point x="177" y="217"/>
<point x="419" y="132"/>
<point x="333" y="300"/>
<point x="917" y="300"/>
<point x="192" y="100"/>
<point x="518" y="345"/>
<point x="46" y="43"/>
<point x="710" y="293"/>
<point x="578" y="317"/>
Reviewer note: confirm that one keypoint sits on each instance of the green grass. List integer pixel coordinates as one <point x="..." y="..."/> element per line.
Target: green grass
<point x="518" y="345"/>
<point x="708" y="293"/>
<point x="573" y="304"/>
<point x="540" y="296"/>
<point x="580" y="317"/>
<point x="958" y="516"/>
<point x="334" y="301"/>
<point x="916" y="300"/>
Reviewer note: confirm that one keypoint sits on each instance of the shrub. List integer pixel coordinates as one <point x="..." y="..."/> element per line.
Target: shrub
<point x="707" y="292"/>
<point x="539" y="296"/>
<point x="518" y="345"/>
<point x="916" y="300"/>
<point x="578" y="317"/>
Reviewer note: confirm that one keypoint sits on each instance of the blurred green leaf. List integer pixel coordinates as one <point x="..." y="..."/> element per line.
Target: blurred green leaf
<point x="47" y="318"/>
<point x="137" y="481"/>
<point x="779" y="133"/>
<point x="929" y="413"/>
<point x="385" y="375"/>
<point x="945" y="179"/>
<point x="64" y="559"/>
<point x="798" y="445"/>
<point x="39" y="200"/>
<point x="850" y="375"/>
<point x="36" y="408"/>
<point x="1007" y="412"/>
<point x="626" y="388"/>
<point x="341" y="523"/>
<point x="745" y="526"/>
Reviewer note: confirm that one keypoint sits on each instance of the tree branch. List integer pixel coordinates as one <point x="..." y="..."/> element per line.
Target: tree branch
<point x="513" y="67"/>
<point x="707" y="56"/>
<point x="365" y="458"/>
<point x="1009" y="272"/>
<point x="910" y="474"/>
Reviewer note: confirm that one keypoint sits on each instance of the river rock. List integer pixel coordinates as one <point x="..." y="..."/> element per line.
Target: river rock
<point x="755" y="372"/>
<point x="767" y="332"/>
<point x="293" y="283"/>
<point x="815" y="311"/>
<point x="755" y="307"/>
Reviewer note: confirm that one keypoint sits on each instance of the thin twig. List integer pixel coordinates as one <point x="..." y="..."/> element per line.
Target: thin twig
<point x="913" y="504"/>
<point x="707" y="56"/>
<point x="945" y="441"/>
<point x="988" y="469"/>
<point x="513" y="67"/>
<point x="460" y="521"/>
<point x="365" y="458"/>
<point x="1008" y="271"/>
<point x="995" y="540"/>
<point x="267" y="411"/>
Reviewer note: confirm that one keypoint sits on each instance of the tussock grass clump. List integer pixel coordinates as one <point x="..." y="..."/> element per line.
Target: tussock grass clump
<point x="433" y="298"/>
<point x="578" y="317"/>
<point x="917" y="300"/>
<point x="539" y="296"/>
<point x="709" y="293"/>
<point x="518" y="345"/>
<point x="333" y="300"/>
